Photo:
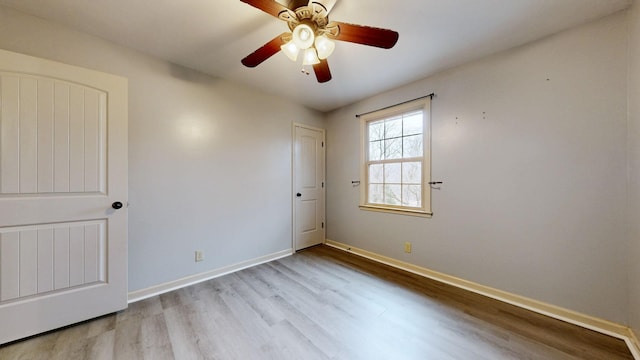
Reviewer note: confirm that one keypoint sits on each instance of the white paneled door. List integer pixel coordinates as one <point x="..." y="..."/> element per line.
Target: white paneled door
<point x="63" y="195"/>
<point x="309" y="194"/>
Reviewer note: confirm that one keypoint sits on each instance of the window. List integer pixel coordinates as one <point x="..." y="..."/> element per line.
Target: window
<point x="395" y="159"/>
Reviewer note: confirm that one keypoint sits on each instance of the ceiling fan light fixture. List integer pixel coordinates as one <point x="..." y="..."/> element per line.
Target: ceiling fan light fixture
<point x="291" y="50"/>
<point x="311" y="35"/>
<point x="310" y="57"/>
<point x="325" y="46"/>
<point x="303" y="36"/>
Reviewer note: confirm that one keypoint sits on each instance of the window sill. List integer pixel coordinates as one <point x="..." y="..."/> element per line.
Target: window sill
<point x="418" y="213"/>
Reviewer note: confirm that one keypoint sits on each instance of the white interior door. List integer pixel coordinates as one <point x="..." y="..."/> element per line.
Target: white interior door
<point x="309" y="197"/>
<point x="63" y="163"/>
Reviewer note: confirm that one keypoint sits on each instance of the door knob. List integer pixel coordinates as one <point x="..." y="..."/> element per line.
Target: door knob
<point x="298" y="194"/>
<point x="117" y="205"/>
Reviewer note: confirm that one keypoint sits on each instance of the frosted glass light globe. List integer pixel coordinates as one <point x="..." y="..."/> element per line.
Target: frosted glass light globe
<point x="303" y="36"/>
<point x="325" y="46"/>
<point x="310" y="57"/>
<point x="291" y="50"/>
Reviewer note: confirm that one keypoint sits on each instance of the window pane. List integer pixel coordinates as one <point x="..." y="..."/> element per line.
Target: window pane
<point x="412" y="146"/>
<point x="393" y="128"/>
<point x="376" y="150"/>
<point x="411" y="195"/>
<point x="376" y="194"/>
<point x="412" y="124"/>
<point x="392" y="173"/>
<point x="376" y="130"/>
<point x="392" y="194"/>
<point x="376" y="174"/>
<point x="412" y="173"/>
<point x="393" y="149"/>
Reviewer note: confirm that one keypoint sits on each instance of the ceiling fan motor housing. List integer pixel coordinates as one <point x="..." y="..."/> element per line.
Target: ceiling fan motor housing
<point x="314" y="15"/>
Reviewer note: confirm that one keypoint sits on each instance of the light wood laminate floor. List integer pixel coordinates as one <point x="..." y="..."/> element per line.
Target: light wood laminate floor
<point x="320" y="303"/>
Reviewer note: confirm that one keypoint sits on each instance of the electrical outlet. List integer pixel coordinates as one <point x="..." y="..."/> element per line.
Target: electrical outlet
<point x="199" y="255"/>
<point x="407" y="247"/>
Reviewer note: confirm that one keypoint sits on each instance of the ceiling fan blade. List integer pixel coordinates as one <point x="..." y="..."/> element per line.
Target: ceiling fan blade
<point x="263" y="53"/>
<point x="365" y="35"/>
<point x="269" y="6"/>
<point x="323" y="74"/>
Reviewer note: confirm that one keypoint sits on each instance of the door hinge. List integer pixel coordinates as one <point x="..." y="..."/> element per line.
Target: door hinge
<point x="323" y="144"/>
<point x="323" y="225"/>
<point x="323" y="184"/>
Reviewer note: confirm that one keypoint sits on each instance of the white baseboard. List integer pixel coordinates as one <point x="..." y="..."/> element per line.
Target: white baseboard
<point x="586" y="321"/>
<point x="634" y="344"/>
<point x="208" y="275"/>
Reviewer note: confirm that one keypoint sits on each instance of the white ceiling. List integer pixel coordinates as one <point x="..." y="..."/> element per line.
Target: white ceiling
<point x="214" y="35"/>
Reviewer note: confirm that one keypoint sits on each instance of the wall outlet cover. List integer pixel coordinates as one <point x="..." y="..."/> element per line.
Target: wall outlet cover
<point x="199" y="255"/>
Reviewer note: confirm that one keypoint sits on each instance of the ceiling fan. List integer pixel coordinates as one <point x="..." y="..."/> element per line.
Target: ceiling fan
<point x="312" y="34"/>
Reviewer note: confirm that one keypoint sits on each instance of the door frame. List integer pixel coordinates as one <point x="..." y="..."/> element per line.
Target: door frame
<point x="293" y="181"/>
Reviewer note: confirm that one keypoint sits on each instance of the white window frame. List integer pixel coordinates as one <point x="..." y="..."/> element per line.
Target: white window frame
<point x="423" y="104"/>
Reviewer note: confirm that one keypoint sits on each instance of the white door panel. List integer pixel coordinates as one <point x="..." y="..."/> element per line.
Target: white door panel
<point x="308" y="214"/>
<point x="63" y="163"/>
<point x="53" y="136"/>
<point x="66" y="255"/>
<point x="309" y="186"/>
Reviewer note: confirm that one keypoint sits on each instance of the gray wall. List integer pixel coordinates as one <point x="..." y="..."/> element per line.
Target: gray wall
<point x="531" y="147"/>
<point x="209" y="161"/>
<point x="534" y="200"/>
<point x="634" y="167"/>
